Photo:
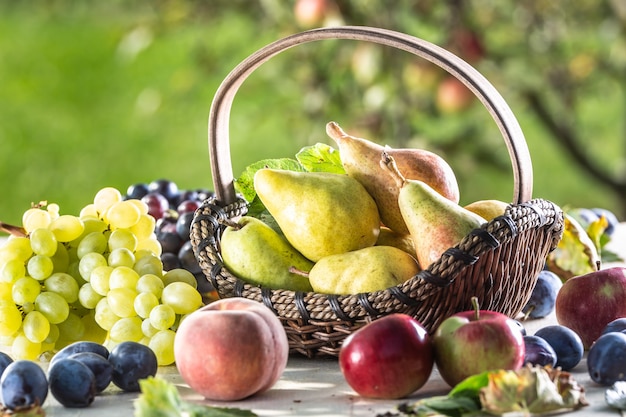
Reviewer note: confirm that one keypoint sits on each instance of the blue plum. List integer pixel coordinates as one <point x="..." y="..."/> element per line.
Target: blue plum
<point x="606" y="360"/>
<point x="101" y="368"/>
<point x="543" y="296"/>
<point x="72" y="383"/>
<point x="538" y="351"/>
<point x="81" y="346"/>
<point x="23" y="384"/>
<point x="610" y="217"/>
<point x="617" y="325"/>
<point x="565" y="342"/>
<point x="5" y="360"/>
<point x="132" y="362"/>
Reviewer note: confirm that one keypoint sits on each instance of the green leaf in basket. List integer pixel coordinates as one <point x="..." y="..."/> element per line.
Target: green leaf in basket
<point x="320" y="158"/>
<point x="245" y="183"/>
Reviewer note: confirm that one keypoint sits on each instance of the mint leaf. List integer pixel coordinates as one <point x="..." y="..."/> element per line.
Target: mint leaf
<point x="320" y="158"/>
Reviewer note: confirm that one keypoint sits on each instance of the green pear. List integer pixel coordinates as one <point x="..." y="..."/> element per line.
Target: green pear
<point x="366" y="270"/>
<point x="361" y="160"/>
<point x="256" y="253"/>
<point x="320" y="213"/>
<point x="388" y="237"/>
<point x="435" y="223"/>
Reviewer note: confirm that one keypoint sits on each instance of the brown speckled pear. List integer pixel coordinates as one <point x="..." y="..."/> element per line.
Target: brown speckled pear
<point x="435" y="223"/>
<point x="319" y="213"/>
<point x="361" y="160"/>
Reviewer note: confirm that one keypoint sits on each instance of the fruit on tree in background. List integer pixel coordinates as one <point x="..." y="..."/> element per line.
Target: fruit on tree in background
<point x="606" y="360"/>
<point x="565" y="342"/>
<point x="231" y="349"/>
<point x="471" y="342"/>
<point x="543" y="297"/>
<point x="391" y="357"/>
<point x="256" y="253"/>
<point x="453" y="96"/>
<point x="320" y="213"/>
<point x="487" y="209"/>
<point x="364" y="270"/>
<point x="310" y="13"/>
<point x="587" y="303"/>
<point x="361" y="160"/>
<point x="435" y="223"/>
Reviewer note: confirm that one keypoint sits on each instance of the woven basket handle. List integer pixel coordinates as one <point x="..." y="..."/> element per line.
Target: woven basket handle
<point x="219" y="116"/>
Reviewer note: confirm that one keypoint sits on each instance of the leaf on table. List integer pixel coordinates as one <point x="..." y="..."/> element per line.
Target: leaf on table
<point x="30" y="411"/>
<point x="160" y="398"/>
<point x="576" y="253"/>
<point x="320" y="158"/>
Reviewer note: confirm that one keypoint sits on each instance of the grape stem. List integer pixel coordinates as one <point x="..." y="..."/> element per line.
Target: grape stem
<point x="13" y="230"/>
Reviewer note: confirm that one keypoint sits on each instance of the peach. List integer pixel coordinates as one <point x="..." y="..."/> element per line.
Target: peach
<point x="231" y="349"/>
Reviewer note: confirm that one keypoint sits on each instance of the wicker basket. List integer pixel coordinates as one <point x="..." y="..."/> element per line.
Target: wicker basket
<point x="498" y="263"/>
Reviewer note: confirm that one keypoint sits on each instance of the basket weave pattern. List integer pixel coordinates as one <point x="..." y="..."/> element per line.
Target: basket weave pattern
<point x="498" y="263"/>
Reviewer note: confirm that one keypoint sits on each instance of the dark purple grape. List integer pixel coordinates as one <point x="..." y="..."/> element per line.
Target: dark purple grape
<point x="101" y="368"/>
<point x="538" y="351"/>
<point x="204" y="194"/>
<point x="204" y="285"/>
<point x="188" y="206"/>
<point x="157" y="204"/>
<point x="188" y="258"/>
<point x="565" y="342"/>
<point x="78" y="347"/>
<point x="170" y="261"/>
<point x="188" y="195"/>
<point x="72" y="383"/>
<point x="137" y="191"/>
<point x="166" y="188"/>
<point x="170" y="242"/>
<point x="23" y="384"/>
<point x="606" y="359"/>
<point x="543" y="297"/>
<point x="132" y="362"/>
<point x="5" y="360"/>
<point x="183" y="225"/>
<point x="166" y="224"/>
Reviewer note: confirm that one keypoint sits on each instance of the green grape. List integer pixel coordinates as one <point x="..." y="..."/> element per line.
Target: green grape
<point x="53" y="209"/>
<point x="88" y="297"/>
<point x="11" y="318"/>
<point x="104" y="315"/>
<point x="126" y="329"/>
<point x="144" y="228"/>
<point x="150" y="283"/>
<point x="121" y="257"/>
<point x="89" y="212"/>
<point x="105" y="198"/>
<point x="122" y="238"/>
<point x="121" y="301"/>
<point x="61" y="258"/>
<point x="90" y="225"/>
<point x="22" y="348"/>
<point x="99" y="279"/>
<point x="141" y="206"/>
<point x="27" y="308"/>
<point x="144" y="303"/>
<point x="17" y="247"/>
<point x="148" y="329"/>
<point x="162" y="344"/>
<point x="6" y="288"/>
<point x="43" y="242"/>
<point x="148" y="264"/>
<point x="67" y="228"/>
<point x="53" y="306"/>
<point x="63" y="284"/>
<point x="94" y="242"/>
<point x="25" y="291"/>
<point x="179" y="275"/>
<point x="89" y="262"/>
<point x="182" y="297"/>
<point x="36" y="327"/>
<point x="162" y="317"/>
<point x="122" y="214"/>
<point x="53" y="335"/>
<point x="74" y="270"/>
<point x="35" y="218"/>
<point x="151" y="244"/>
<point x="40" y="267"/>
<point x="71" y="329"/>
<point x="93" y="331"/>
<point x="123" y="277"/>
<point x="12" y="270"/>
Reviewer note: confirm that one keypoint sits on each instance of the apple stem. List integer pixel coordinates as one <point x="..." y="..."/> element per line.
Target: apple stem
<point x="476" y="306"/>
<point x="296" y="271"/>
<point x="231" y="223"/>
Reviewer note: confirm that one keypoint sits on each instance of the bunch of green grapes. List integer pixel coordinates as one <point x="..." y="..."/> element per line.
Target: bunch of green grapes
<point x="97" y="276"/>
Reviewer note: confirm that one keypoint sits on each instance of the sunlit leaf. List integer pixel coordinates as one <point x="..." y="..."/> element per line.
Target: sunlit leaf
<point x="244" y="184"/>
<point x="320" y="158"/>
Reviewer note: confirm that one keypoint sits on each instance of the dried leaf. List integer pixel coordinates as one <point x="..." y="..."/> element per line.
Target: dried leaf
<point x="576" y="253"/>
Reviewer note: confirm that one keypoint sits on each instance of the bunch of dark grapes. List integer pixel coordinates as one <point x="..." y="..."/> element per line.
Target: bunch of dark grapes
<point x="173" y="209"/>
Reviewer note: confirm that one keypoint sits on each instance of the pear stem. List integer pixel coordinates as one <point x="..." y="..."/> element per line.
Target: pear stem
<point x="388" y="163"/>
<point x="13" y="230"/>
<point x="296" y="271"/>
<point x="476" y="307"/>
<point x="335" y="132"/>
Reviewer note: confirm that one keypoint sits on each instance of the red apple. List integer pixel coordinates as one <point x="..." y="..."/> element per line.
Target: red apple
<point x="388" y="358"/>
<point x="231" y="349"/>
<point x="310" y="13"/>
<point x="453" y="96"/>
<point x="471" y="342"/>
<point x="587" y="303"/>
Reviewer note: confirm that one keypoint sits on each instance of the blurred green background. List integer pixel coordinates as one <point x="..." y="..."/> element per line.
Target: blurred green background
<point x="96" y="94"/>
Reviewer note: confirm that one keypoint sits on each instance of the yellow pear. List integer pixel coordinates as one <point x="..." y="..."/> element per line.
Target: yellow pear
<point x="256" y="253"/>
<point x="361" y="160"/>
<point x="487" y="209"/>
<point x="366" y="270"/>
<point x="388" y="237"/>
<point x="320" y="213"/>
<point x="435" y="222"/>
